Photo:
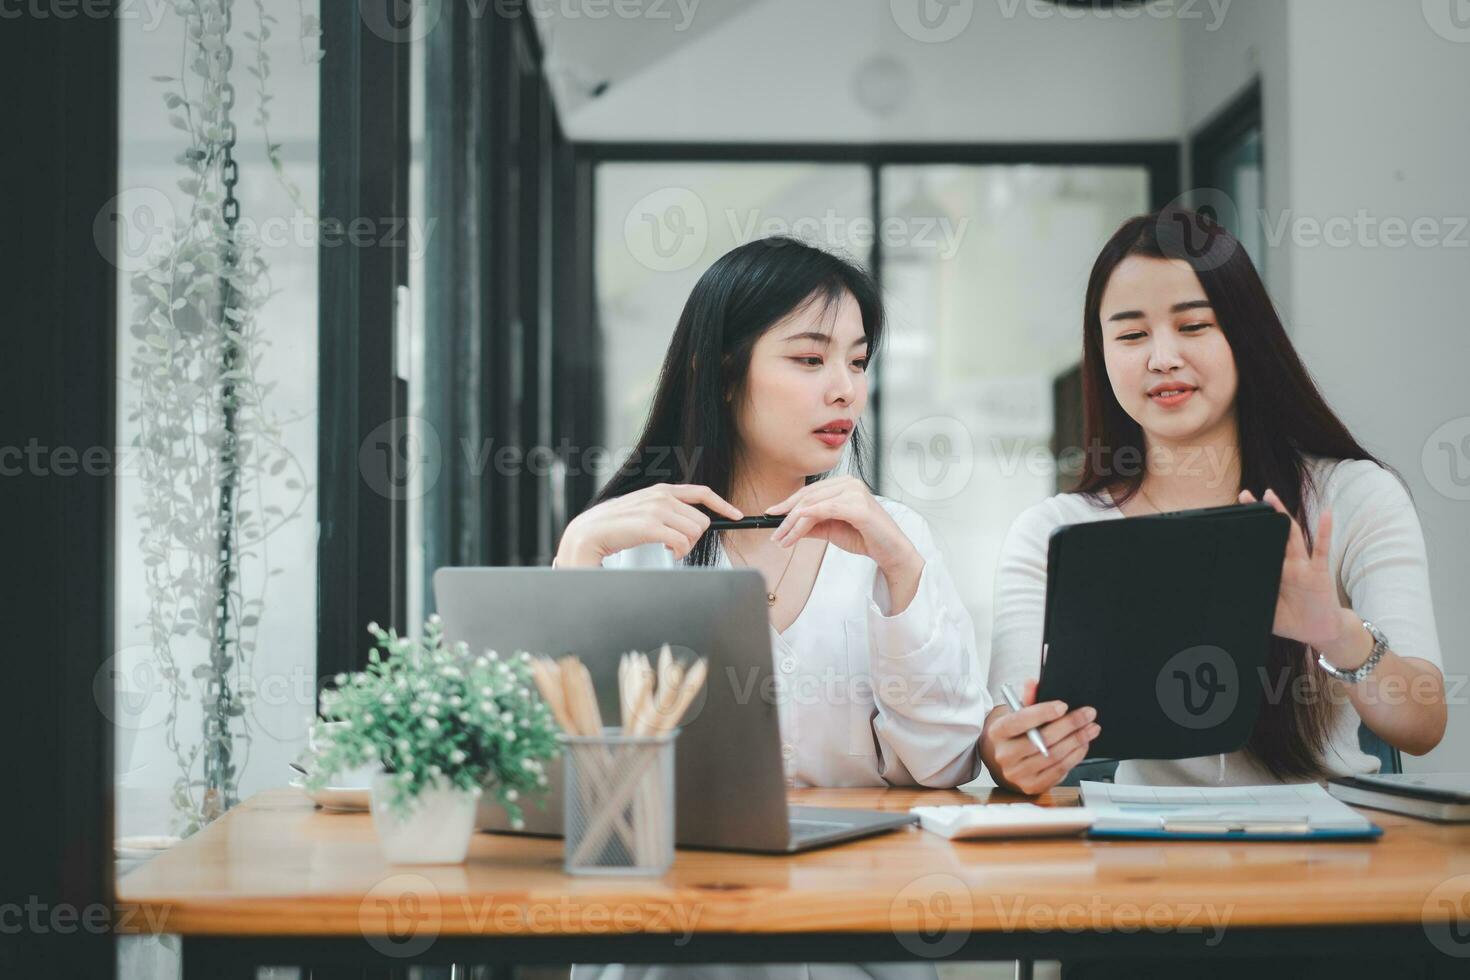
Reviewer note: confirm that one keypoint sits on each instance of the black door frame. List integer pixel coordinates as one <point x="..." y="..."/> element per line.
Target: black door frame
<point x="57" y="490"/>
<point x="362" y="471"/>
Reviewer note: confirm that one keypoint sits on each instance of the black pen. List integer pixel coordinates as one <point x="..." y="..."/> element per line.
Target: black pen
<point x="746" y="523"/>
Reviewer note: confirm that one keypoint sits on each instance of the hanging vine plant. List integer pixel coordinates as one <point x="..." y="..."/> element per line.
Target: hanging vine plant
<point x="208" y="448"/>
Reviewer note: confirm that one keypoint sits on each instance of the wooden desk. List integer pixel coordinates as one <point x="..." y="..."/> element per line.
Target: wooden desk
<point x="276" y="881"/>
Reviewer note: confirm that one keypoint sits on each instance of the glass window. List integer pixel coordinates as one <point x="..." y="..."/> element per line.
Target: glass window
<point x="984" y="272"/>
<point x="217" y="406"/>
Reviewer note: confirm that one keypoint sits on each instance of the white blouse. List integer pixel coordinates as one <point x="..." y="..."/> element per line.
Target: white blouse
<point x="866" y="698"/>
<point x="1377" y="559"/>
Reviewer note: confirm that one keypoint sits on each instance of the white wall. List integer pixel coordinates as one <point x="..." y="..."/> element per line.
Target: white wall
<point x="788" y="70"/>
<point x="1366" y="125"/>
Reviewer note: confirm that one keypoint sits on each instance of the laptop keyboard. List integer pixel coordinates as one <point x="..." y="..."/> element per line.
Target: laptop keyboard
<point x="802" y="828"/>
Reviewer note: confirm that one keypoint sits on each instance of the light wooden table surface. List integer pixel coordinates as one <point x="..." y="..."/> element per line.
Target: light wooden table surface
<point x="277" y="867"/>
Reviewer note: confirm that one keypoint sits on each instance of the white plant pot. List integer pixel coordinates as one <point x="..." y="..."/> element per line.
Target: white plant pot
<point x="436" y="828"/>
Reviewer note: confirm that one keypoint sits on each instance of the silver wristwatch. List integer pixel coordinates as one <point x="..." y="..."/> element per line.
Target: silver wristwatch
<point x="1380" y="647"/>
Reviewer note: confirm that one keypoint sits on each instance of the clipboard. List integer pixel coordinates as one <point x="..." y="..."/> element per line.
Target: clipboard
<point x="1247" y="832"/>
<point x="1279" y="812"/>
<point x="1163" y="623"/>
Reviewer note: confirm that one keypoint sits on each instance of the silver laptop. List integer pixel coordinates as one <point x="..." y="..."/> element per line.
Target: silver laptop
<point x="730" y="792"/>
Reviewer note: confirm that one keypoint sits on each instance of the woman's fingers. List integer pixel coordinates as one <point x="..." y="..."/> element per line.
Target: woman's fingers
<point x="1048" y="776"/>
<point x="808" y="515"/>
<point x="686" y="520"/>
<point x="692" y="494"/>
<point x="676" y="541"/>
<point x="819" y="490"/>
<point x="1016" y="724"/>
<point x="795" y="505"/>
<point x="1055" y="732"/>
<point x="1065" y="754"/>
<point x="1323" y="543"/>
<point x="1018" y="748"/>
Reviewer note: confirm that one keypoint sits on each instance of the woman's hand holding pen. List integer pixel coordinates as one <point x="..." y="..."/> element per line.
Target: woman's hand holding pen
<point x="843" y="510"/>
<point x="666" y="513"/>
<point x="1015" y="762"/>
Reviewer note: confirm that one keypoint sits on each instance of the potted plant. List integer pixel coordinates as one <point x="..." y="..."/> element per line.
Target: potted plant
<point x="442" y="724"/>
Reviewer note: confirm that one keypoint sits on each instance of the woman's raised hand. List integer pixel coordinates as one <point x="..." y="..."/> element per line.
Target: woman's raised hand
<point x="666" y="513"/>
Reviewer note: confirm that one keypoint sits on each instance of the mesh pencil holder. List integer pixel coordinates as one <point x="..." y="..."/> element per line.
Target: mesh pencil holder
<point x="619" y="792"/>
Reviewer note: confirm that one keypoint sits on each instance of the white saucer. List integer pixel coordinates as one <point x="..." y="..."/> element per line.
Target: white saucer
<point x="143" y="847"/>
<point x="338" y="799"/>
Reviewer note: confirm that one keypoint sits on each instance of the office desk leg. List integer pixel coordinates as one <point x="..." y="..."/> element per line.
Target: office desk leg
<point x="207" y="958"/>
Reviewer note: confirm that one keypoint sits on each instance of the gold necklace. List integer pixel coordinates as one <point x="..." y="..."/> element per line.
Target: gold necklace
<point x="1152" y="503"/>
<point x="771" y="595"/>
<point x="1156" y="507"/>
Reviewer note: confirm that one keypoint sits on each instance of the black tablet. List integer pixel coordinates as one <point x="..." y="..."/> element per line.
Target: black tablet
<point x="1162" y="623"/>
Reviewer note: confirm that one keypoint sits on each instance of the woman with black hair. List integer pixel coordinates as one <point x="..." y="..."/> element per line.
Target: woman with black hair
<point x="760" y="396"/>
<point x="1194" y="397"/>
<point x="757" y="405"/>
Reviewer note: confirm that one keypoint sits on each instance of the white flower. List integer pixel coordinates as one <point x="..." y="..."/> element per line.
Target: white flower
<point x="456" y="757"/>
<point x="511" y="796"/>
<point x="434" y="619"/>
<point x="368" y="718"/>
<point x="540" y="780"/>
<point x="435" y="771"/>
<point x="506" y="717"/>
<point x="373" y="627"/>
<point x="486" y="707"/>
<point x="433" y="711"/>
<point x="518" y="824"/>
<point x="431" y="724"/>
<point x="510" y="736"/>
<point x="340" y="679"/>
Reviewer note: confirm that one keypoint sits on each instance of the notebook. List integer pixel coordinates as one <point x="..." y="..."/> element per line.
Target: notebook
<point x="1279" y="812"/>
<point x="1443" y="796"/>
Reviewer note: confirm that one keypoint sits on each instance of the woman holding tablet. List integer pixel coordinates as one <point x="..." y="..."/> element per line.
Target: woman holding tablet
<point x="1194" y="397"/>
<point x="878" y="679"/>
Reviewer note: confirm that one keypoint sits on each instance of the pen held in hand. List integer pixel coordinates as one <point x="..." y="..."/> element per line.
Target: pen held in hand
<point x="1031" y="733"/>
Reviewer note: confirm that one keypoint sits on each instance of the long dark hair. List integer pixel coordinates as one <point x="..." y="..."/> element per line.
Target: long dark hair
<point x="690" y="435"/>
<point x="1282" y="418"/>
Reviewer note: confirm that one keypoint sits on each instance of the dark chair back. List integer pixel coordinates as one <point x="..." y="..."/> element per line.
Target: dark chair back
<point x="1388" y="756"/>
